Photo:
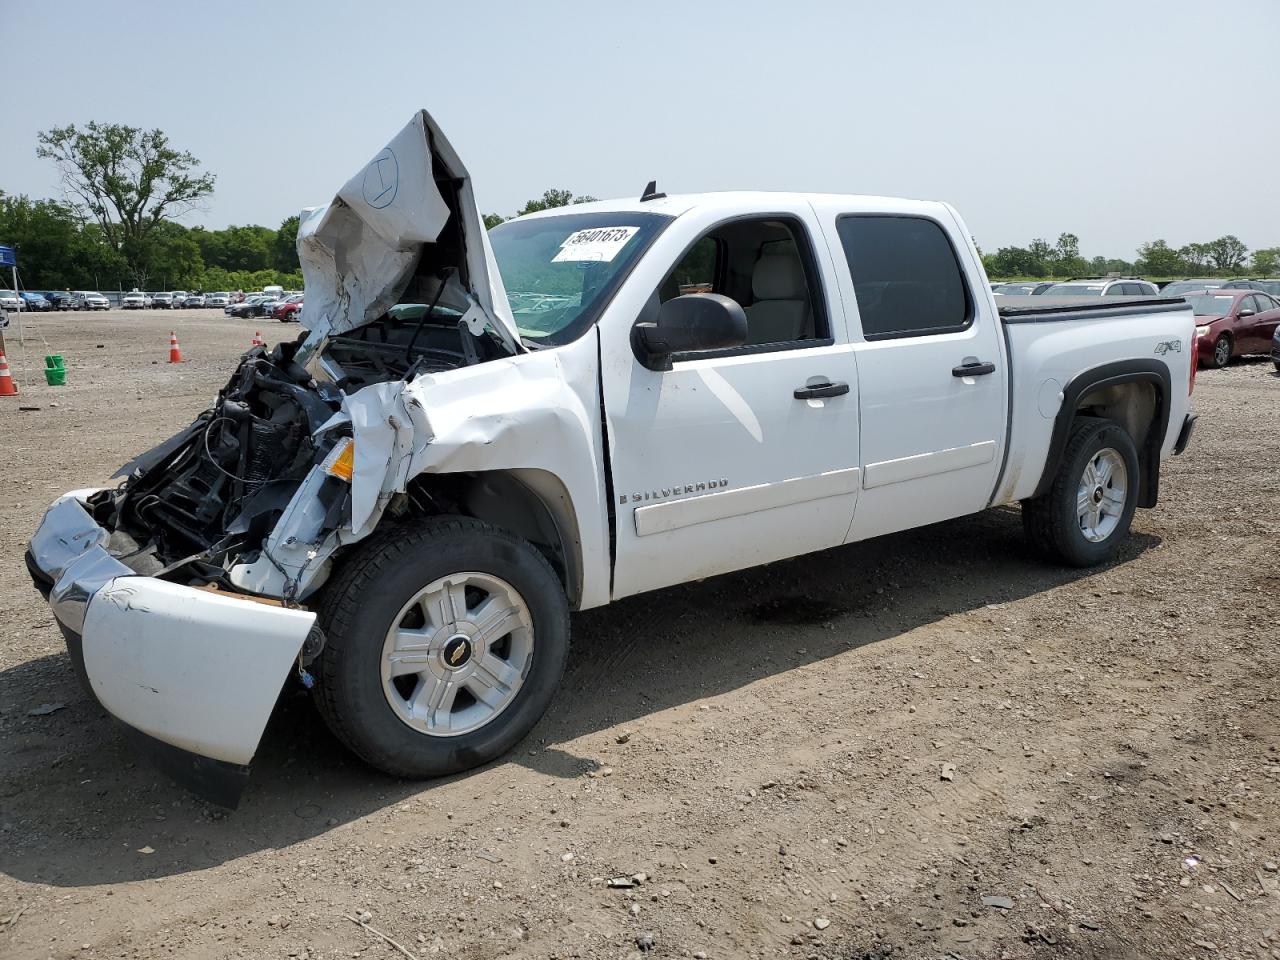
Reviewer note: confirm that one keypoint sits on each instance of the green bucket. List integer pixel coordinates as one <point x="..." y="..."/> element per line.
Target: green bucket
<point x="55" y="372"/>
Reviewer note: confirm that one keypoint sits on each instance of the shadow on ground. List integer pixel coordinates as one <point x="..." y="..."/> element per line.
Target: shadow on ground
<point x="76" y="804"/>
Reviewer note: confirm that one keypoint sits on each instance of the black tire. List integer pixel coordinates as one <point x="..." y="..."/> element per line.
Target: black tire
<point x="373" y="585"/>
<point x="1051" y="522"/>
<point x="1221" y="351"/>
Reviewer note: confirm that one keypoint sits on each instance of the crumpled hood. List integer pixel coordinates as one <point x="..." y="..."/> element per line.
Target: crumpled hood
<point x="359" y="252"/>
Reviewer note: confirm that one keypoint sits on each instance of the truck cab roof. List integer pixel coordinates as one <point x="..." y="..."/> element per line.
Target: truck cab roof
<point x="757" y="201"/>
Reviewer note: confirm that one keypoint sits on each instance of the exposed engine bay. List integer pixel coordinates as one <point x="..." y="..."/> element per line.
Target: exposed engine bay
<point x="209" y="497"/>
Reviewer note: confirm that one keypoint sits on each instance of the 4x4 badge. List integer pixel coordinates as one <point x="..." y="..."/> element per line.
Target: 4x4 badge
<point x="1169" y="346"/>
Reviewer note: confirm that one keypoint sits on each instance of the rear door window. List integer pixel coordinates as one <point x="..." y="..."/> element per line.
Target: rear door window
<point x="906" y="276"/>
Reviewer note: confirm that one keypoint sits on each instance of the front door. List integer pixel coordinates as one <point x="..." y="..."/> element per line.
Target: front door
<point x="932" y="377"/>
<point x="717" y="464"/>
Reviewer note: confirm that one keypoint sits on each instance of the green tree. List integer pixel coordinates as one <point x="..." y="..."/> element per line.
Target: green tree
<point x="1227" y="254"/>
<point x="127" y="179"/>
<point x="1016" y="262"/>
<point x="1156" y="258"/>
<point x="1195" y="256"/>
<point x="1266" y="262"/>
<point x="173" y="258"/>
<point x="1066" y="260"/>
<point x="491" y="220"/>
<point x="285" y="246"/>
<point x="552" y="198"/>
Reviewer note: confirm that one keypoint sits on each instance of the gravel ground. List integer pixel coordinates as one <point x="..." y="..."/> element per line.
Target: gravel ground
<point x="929" y="745"/>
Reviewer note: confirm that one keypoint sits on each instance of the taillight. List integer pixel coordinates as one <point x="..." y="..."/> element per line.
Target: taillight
<point x="1195" y="364"/>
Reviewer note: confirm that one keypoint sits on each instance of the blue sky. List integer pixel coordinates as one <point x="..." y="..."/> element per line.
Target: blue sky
<point x="1121" y="121"/>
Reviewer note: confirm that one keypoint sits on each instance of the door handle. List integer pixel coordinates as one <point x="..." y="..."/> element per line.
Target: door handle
<point x="819" y="390"/>
<point x="973" y="367"/>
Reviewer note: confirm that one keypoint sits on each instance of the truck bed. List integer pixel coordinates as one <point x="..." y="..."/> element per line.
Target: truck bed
<point x="1051" y="309"/>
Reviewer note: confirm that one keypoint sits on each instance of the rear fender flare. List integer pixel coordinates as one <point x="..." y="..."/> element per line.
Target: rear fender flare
<point x="1111" y="374"/>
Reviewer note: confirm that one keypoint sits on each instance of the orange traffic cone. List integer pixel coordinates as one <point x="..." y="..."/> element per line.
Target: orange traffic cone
<point x="257" y="340"/>
<point x="175" y="351"/>
<point x="7" y="387"/>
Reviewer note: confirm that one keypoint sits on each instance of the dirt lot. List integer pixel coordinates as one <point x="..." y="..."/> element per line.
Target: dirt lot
<point x="836" y="757"/>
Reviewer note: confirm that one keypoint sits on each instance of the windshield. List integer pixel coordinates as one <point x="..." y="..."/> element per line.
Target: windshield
<point x="560" y="271"/>
<point x="1015" y="289"/>
<point x="1074" y="290"/>
<point x="1179" y="287"/>
<point x="1210" y="305"/>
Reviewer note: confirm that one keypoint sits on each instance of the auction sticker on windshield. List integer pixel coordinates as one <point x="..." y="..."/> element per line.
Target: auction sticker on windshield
<point x="596" y="244"/>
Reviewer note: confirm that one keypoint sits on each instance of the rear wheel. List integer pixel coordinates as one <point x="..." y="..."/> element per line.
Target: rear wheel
<point x="1222" y="351"/>
<point x="445" y="642"/>
<point x="1084" y="516"/>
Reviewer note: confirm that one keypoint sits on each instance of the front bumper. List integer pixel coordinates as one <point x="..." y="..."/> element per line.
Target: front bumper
<point x="191" y="674"/>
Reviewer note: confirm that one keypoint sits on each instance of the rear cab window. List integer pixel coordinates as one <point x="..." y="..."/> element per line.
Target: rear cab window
<point x="906" y="276"/>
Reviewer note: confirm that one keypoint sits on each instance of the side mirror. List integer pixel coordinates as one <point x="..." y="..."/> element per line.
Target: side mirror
<point x="696" y="321"/>
<point x="1246" y="312"/>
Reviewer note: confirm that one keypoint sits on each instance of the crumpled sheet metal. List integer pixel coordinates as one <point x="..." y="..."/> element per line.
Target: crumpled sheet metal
<point x="359" y="251"/>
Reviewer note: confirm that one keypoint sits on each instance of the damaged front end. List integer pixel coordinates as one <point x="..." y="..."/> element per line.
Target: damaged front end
<point x="207" y="499"/>
<point x="182" y="592"/>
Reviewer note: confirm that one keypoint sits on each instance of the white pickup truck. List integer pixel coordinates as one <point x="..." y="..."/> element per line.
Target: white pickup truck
<point x="479" y="433"/>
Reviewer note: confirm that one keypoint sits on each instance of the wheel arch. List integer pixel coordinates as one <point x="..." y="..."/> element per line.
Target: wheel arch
<point x="1133" y="393"/>
<point x="531" y="503"/>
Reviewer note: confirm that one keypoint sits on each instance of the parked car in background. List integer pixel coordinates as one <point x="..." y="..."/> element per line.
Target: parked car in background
<point x="273" y="292"/>
<point x="1242" y="283"/>
<point x="1233" y="323"/>
<point x="90" y="300"/>
<point x="217" y="300"/>
<point x="1179" y="288"/>
<point x="162" y="301"/>
<point x="1102" y="287"/>
<point x="34" y="301"/>
<point x="193" y="301"/>
<point x="178" y="297"/>
<point x="1022" y="288"/>
<point x="59" y="299"/>
<point x="1270" y="286"/>
<point x="1275" y="349"/>
<point x="246" y="308"/>
<point x="133" y="300"/>
<point x="289" y="309"/>
<point x="11" y="302"/>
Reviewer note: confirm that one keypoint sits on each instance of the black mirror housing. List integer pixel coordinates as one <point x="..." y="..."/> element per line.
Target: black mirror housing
<point x="1246" y="312"/>
<point x="687" y="324"/>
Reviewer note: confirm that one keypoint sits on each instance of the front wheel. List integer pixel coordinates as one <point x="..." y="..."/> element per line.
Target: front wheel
<point x="1085" y="515"/>
<point x="445" y="642"/>
<point x="1222" y="351"/>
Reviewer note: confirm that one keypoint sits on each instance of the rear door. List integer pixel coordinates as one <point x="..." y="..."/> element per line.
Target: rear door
<point x="931" y="366"/>
<point x="1256" y="330"/>
<point x="1267" y="321"/>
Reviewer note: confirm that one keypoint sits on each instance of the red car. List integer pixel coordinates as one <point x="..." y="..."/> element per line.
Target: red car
<point x="288" y="310"/>
<point x="1233" y="323"/>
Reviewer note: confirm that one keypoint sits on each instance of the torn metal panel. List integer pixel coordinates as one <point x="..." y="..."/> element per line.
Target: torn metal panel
<point x="359" y="252"/>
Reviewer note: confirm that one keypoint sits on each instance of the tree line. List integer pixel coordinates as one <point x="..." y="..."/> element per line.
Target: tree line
<point x="58" y="249"/>
<point x="124" y="188"/>
<point x="1226" y="256"/>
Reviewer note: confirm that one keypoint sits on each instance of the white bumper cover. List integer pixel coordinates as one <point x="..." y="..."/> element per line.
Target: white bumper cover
<point x="193" y="669"/>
